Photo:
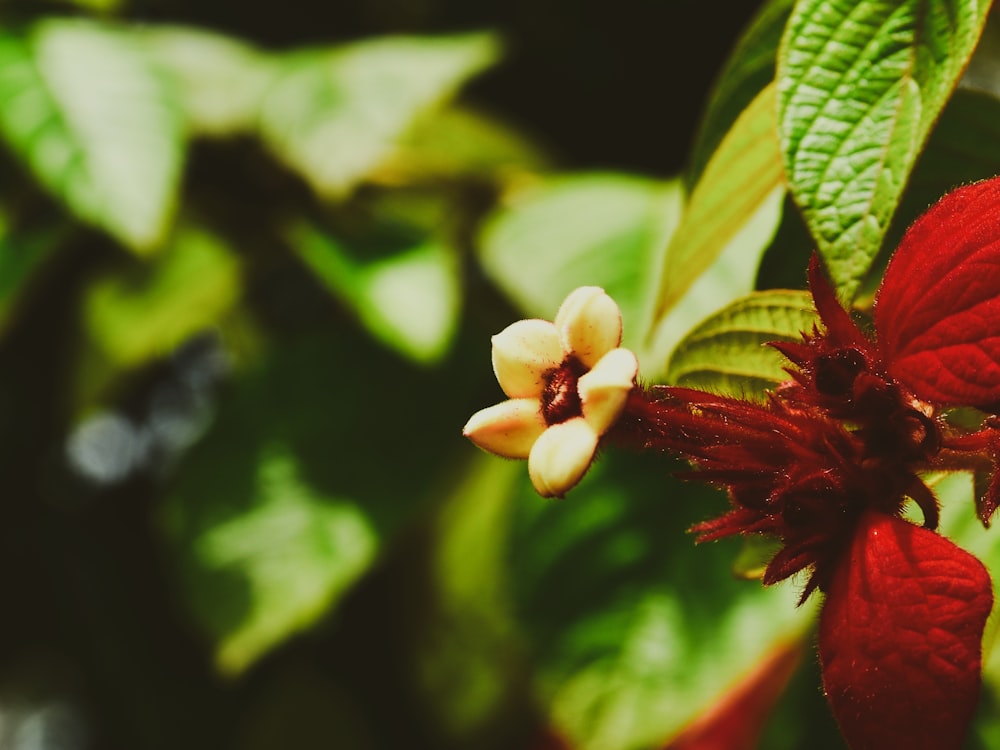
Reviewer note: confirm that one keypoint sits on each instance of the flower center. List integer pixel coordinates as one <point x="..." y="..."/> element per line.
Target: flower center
<point x="560" y="398"/>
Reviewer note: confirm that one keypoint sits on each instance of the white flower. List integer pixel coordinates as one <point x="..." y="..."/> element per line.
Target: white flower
<point x="567" y="381"/>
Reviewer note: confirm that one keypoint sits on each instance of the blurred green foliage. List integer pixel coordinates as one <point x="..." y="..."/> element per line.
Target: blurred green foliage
<point x="249" y="263"/>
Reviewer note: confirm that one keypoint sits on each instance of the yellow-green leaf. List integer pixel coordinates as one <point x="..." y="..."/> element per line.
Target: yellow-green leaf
<point x="743" y="174"/>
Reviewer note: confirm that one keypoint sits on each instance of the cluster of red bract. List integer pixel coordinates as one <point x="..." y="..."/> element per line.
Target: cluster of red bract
<point x="827" y="463"/>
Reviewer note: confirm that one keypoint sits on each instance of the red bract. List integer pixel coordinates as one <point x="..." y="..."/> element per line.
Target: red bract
<point x="829" y="460"/>
<point x="827" y="463"/>
<point x="938" y="309"/>
<point x="900" y="635"/>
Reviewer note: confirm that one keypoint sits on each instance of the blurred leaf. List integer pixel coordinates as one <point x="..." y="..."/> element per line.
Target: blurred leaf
<point x="150" y="308"/>
<point x="296" y="550"/>
<point x="960" y="523"/>
<point x="736" y="721"/>
<point x="334" y="115"/>
<point x="983" y="71"/>
<point x="88" y="113"/>
<point x="456" y="141"/>
<point x="468" y="659"/>
<point x="220" y="80"/>
<point x="964" y="147"/>
<point x="99" y="6"/>
<point x="743" y="175"/>
<point x="636" y="630"/>
<point x="23" y="252"/>
<point x="602" y="229"/>
<point x="408" y="299"/>
<point x="754" y="556"/>
<point x="748" y="70"/>
<point x="728" y="354"/>
<point x="317" y="455"/>
<point x="860" y="86"/>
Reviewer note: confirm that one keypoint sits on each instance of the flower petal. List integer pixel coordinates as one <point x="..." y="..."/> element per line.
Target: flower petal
<point x="561" y="457"/>
<point x="507" y="429"/>
<point x="604" y="389"/>
<point x="522" y="353"/>
<point x="590" y="324"/>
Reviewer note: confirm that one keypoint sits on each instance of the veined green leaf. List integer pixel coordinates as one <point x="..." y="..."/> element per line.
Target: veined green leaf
<point x="743" y="175"/>
<point x="748" y="70"/>
<point x="860" y="84"/>
<point x="96" y="123"/>
<point x="335" y="114"/>
<point x="727" y="352"/>
<point x="963" y="147"/>
<point x="570" y="231"/>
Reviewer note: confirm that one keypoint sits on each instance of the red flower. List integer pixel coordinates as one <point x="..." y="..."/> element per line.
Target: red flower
<point x="827" y="463"/>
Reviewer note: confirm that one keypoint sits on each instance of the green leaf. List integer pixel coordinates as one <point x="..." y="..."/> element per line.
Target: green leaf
<point x="318" y="453"/>
<point x="742" y="179"/>
<point x="296" y="551"/>
<point x="747" y="72"/>
<point x="408" y="299"/>
<point x="23" y="253"/>
<point x="728" y="354"/>
<point x="754" y="556"/>
<point x="334" y="115"/>
<point x="219" y="80"/>
<point x="99" y="128"/>
<point x="458" y="141"/>
<point x="570" y="231"/>
<point x="963" y="147"/>
<point x="637" y="630"/>
<point x="467" y="658"/>
<point x="860" y="85"/>
<point x="148" y="309"/>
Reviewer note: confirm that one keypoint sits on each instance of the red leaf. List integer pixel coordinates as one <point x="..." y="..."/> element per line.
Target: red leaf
<point x="736" y="721"/>
<point x="938" y="310"/>
<point x="900" y="637"/>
